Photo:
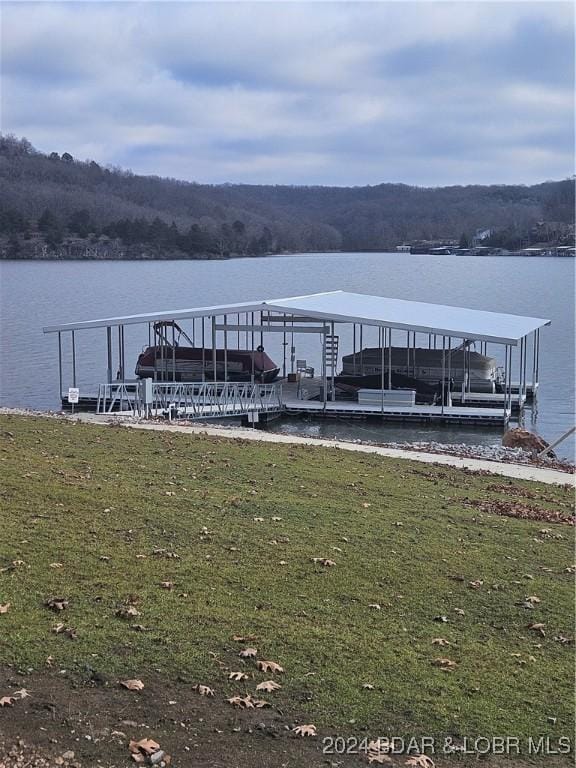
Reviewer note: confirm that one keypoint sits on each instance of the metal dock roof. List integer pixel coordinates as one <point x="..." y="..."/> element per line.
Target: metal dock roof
<point x="341" y="306"/>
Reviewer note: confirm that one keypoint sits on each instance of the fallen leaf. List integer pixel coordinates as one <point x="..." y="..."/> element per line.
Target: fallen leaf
<point x="22" y="693"/>
<point x="167" y="584"/>
<point x="376" y="606"/>
<point x="244" y="702"/>
<point x="474" y="585"/>
<point x="459" y="611"/>
<point x="260" y="703"/>
<point x="419" y="761"/>
<point x="237" y="676"/>
<point x="7" y="701"/>
<point x="533" y="599"/>
<point x="62" y="629"/>
<point x="440" y="641"/>
<point x="4" y="607"/>
<point x="269" y="666"/>
<point x="268" y="686"/>
<point x="324" y="561"/>
<point x="538" y="627"/>
<point x="56" y="565"/>
<point x="145" y="746"/>
<point x="56" y="603"/>
<point x="368" y="686"/>
<point x="243" y="638"/>
<point x="446" y="665"/>
<point x="132" y="685"/>
<point x="305" y="730"/>
<point x="203" y="690"/>
<point x="443" y="619"/>
<point x="127" y="612"/>
<point x="276" y="519"/>
<point x="248" y="653"/>
<point x="258" y="519"/>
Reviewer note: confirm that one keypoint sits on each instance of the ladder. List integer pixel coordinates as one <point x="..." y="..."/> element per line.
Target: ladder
<point x="331" y="353"/>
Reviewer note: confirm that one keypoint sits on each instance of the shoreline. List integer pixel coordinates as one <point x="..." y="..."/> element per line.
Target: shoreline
<point x="556" y="473"/>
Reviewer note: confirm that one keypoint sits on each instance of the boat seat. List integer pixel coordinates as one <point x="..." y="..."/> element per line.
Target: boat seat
<point x="306" y="370"/>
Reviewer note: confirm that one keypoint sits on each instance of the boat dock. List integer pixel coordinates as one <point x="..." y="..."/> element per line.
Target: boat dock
<point x="434" y="378"/>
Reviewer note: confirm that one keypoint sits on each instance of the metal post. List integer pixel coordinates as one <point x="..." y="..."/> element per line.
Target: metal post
<point x="73" y="359"/>
<point x="354" y="348"/>
<point x="225" y="349"/>
<point x="203" y="349"/>
<point x="443" y="370"/>
<point x="60" y="362"/>
<point x="252" y="348"/>
<point x="324" y="372"/>
<point x="381" y="342"/>
<point x="214" y="346"/>
<point x="333" y="366"/>
<point x="389" y="358"/>
<point x="449" y="369"/>
<point x="109" y="350"/>
<point x="173" y="352"/>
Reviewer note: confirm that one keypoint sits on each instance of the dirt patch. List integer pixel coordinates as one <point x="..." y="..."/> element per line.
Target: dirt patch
<point x="96" y="722"/>
<point x="521" y="511"/>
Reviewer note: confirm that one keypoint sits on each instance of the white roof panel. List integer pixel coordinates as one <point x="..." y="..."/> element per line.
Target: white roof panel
<point x="414" y="315"/>
<point x="340" y="306"/>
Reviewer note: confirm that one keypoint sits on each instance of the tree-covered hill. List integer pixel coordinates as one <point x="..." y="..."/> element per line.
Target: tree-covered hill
<point x="56" y="206"/>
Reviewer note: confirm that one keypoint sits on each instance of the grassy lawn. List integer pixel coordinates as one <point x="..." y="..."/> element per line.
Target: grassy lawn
<point x="404" y="536"/>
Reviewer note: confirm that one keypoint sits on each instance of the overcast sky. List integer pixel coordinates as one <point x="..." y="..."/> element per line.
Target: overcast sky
<point x="429" y="93"/>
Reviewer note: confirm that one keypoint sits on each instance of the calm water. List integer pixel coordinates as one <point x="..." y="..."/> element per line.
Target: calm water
<point x="34" y="294"/>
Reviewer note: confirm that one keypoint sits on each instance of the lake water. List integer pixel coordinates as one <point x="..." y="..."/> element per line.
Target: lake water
<point x="35" y="294"/>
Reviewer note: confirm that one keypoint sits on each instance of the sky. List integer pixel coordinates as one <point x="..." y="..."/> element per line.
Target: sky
<point x="333" y="93"/>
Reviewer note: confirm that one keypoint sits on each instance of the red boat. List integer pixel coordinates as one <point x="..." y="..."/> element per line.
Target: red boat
<point x="169" y="361"/>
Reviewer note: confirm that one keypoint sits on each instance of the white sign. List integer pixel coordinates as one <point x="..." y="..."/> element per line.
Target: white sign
<point x="73" y="394"/>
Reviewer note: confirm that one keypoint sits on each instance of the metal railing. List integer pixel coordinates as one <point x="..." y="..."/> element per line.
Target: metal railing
<point x="120" y="396"/>
<point x="190" y="400"/>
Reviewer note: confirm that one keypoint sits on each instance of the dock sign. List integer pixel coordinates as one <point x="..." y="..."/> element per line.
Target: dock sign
<point x="73" y="395"/>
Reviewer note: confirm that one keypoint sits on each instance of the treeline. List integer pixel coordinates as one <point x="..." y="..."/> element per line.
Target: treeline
<point x="157" y="236"/>
<point x="48" y="203"/>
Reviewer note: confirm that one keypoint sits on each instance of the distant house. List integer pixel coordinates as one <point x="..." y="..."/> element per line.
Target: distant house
<point x="481" y="235"/>
<point x="403" y="248"/>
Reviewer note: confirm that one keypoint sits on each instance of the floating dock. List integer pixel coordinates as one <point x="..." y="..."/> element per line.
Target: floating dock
<point x="330" y="318"/>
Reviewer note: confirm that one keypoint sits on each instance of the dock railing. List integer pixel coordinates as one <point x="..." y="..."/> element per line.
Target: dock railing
<point x="189" y="400"/>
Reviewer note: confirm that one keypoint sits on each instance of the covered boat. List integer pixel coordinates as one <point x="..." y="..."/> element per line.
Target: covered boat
<point x="462" y="365"/>
<point x="169" y="360"/>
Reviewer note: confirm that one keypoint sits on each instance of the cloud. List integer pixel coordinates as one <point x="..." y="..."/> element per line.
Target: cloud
<point x="317" y="92"/>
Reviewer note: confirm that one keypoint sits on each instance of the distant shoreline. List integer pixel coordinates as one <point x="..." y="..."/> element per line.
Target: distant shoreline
<point x="516" y="255"/>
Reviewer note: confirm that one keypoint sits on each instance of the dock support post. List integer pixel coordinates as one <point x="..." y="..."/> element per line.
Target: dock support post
<point x="60" y="362"/>
<point x="332" y="366"/>
<point x="389" y="358"/>
<point x="73" y="359"/>
<point x="214" y="346"/>
<point x="324" y="370"/>
<point x="225" y="349"/>
<point x="109" y="350"/>
<point x="443" y="371"/>
<point x="381" y="332"/>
